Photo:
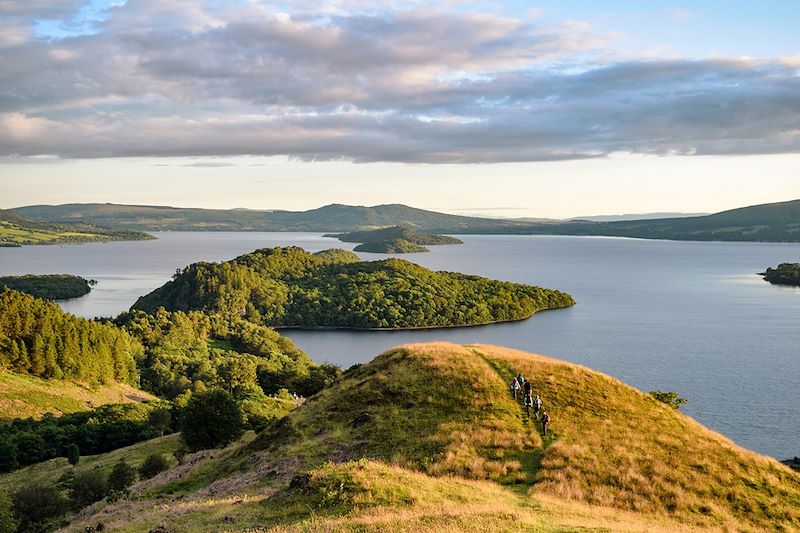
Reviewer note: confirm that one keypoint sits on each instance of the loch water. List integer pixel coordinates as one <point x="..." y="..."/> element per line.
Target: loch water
<point x="693" y="317"/>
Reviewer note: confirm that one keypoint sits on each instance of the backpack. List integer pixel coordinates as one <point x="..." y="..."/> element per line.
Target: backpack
<point x="545" y="419"/>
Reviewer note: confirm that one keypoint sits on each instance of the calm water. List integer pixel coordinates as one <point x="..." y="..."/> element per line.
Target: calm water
<point x="683" y="316"/>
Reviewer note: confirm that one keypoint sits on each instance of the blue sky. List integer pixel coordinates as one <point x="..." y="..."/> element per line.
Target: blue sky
<point x="368" y="102"/>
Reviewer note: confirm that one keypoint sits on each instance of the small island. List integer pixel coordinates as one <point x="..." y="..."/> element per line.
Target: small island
<point x="50" y="286"/>
<point x="394" y="240"/>
<point x="785" y="274"/>
<point x="289" y="287"/>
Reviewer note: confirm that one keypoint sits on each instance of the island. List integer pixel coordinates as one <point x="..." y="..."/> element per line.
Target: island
<point x="49" y="286"/>
<point x="785" y="274"/>
<point x="394" y="240"/>
<point x="289" y="287"/>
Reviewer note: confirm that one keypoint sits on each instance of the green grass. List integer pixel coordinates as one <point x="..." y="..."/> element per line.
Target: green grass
<point x="49" y="472"/>
<point x="428" y="438"/>
<point x="27" y="396"/>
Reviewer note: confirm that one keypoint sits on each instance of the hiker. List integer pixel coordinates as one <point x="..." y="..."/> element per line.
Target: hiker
<point x="528" y="402"/>
<point x="537" y="406"/>
<point x="514" y="387"/>
<point x="545" y="421"/>
<point x="527" y="388"/>
<point x="520" y="379"/>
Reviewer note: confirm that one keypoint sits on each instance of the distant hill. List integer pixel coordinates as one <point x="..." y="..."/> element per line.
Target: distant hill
<point x="18" y="230"/>
<point x="334" y="217"/>
<point x="426" y="437"/>
<point x="640" y="216"/>
<point x="776" y="222"/>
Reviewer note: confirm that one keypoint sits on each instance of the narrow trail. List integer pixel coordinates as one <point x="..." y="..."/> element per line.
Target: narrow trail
<point x="530" y="459"/>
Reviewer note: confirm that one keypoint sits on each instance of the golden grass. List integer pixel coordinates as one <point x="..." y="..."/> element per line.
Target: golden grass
<point x="427" y="438"/>
<point x="27" y="396"/>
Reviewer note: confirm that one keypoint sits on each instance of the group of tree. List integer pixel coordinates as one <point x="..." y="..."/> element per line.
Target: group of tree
<point x="106" y="428"/>
<point x="289" y="287"/>
<point x="49" y="286"/>
<point x="196" y="351"/>
<point x="785" y="274"/>
<point x="37" y="338"/>
<point x="38" y="507"/>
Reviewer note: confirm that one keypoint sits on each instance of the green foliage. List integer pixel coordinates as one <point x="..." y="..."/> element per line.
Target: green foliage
<point x="38" y="507"/>
<point x="73" y="454"/>
<point x="161" y="419"/>
<point x="785" y="274"/>
<point x="50" y="287"/>
<point x="121" y="477"/>
<point x="669" y="397"/>
<point x="154" y="464"/>
<point x="394" y="246"/>
<point x="8" y="522"/>
<point x="291" y="287"/>
<point x="112" y="426"/>
<point x="39" y="339"/>
<point x="88" y="487"/>
<point x="211" y="419"/>
<point x="193" y="351"/>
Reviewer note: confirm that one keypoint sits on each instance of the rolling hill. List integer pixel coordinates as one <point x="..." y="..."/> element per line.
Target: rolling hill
<point x="427" y="437"/>
<point x="18" y="230"/>
<point x="334" y="217"/>
<point x="776" y="222"/>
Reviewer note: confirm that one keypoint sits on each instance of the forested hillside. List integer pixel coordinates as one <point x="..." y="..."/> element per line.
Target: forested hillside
<point x="290" y="287"/>
<point x="17" y="230"/>
<point x="39" y="339"/>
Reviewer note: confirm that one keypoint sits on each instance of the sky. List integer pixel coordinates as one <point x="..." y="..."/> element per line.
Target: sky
<point x="542" y="109"/>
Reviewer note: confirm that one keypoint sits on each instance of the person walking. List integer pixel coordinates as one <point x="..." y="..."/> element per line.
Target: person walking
<point x="537" y="406"/>
<point x="545" y="421"/>
<point x="514" y="387"/>
<point x="528" y="402"/>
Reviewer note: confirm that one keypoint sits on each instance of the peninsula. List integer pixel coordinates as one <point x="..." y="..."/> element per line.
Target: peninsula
<point x="785" y="274"/>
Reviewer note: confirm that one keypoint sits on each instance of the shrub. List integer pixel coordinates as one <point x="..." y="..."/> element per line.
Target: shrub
<point x="8" y="522"/>
<point x="37" y="506"/>
<point x="211" y="419"/>
<point x="151" y="466"/>
<point x="89" y="487"/>
<point x="161" y="419"/>
<point x="668" y="397"/>
<point x="122" y="476"/>
<point x="180" y="452"/>
<point x="73" y="454"/>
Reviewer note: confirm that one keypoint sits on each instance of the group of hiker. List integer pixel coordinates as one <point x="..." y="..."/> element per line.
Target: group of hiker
<point x="520" y="384"/>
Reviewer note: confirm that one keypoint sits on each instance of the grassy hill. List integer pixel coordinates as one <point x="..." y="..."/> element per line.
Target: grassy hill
<point x="26" y="396"/>
<point x="427" y="438"/>
<point x="775" y="222"/>
<point x="18" y="230"/>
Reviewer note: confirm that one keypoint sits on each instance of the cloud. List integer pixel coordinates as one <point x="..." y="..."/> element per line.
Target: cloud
<point x="175" y="78"/>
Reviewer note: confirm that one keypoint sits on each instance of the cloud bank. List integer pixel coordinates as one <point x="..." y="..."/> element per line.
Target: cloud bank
<point x="341" y="81"/>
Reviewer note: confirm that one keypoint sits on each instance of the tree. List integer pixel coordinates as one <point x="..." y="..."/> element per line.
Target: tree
<point x="122" y="476"/>
<point x="37" y="505"/>
<point x="211" y="419"/>
<point x="89" y="487"/>
<point x="670" y="398"/>
<point x="8" y="454"/>
<point x="8" y="522"/>
<point x="160" y="419"/>
<point x="151" y="466"/>
<point x="73" y="454"/>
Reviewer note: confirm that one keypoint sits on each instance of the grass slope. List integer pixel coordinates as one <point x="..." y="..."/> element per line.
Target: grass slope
<point x="26" y="396"/>
<point x="18" y="230"/>
<point x="49" y="472"/>
<point x="427" y="438"/>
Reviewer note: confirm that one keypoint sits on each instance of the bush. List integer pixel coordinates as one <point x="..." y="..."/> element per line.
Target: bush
<point x="122" y="476"/>
<point x="8" y="523"/>
<point x="211" y="419"/>
<point x="89" y="487"/>
<point x="180" y="452"/>
<point x="37" y="506"/>
<point x="668" y="397"/>
<point x="151" y="466"/>
<point x="8" y="454"/>
<point x="73" y="454"/>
